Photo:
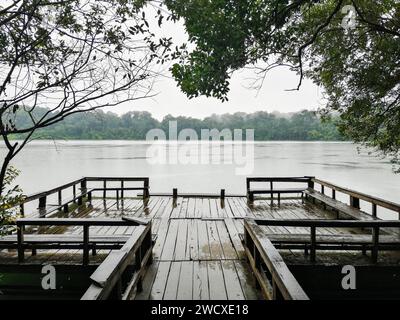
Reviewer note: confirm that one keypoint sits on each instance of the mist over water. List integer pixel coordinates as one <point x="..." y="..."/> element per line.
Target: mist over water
<point x="46" y="164"/>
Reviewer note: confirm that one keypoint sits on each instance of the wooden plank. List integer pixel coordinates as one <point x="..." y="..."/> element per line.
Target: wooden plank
<point x="161" y="237"/>
<point x="176" y="208"/>
<point x="200" y="281"/>
<point x="204" y="245"/>
<point x="148" y="282"/>
<point x="192" y="249"/>
<point x="185" y="287"/>
<point x="223" y="210"/>
<point x="170" y="241"/>
<point x="215" y="243"/>
<point x="171" y="288"/>
<point x="198" y="208"/>
<point x="184" y="206"/>
<point x="226" y="243"/>
<point x="158" y="288"/>
<point x="234" y="236"/>
<point x="191" y="208"/>
<point x="206" y="208"/>
<point x="213" y="208"/>
<point x="216" y="281"/>
<point x="181" y="241"/>
<point x="247" y="281"/>
<point x="232" y="284"/>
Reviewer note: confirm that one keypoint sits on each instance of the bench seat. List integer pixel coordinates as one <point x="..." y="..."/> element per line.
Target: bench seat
<point x="341" y="207"/>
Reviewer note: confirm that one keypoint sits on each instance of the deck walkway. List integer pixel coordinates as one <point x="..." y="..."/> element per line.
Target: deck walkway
<point x="198" y="253"/>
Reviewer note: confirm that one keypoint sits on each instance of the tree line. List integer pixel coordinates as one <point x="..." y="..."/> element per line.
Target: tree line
<point x="99" y="125"/>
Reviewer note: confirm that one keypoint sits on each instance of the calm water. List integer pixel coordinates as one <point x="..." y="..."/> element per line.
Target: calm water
<point x="45" y="164"/>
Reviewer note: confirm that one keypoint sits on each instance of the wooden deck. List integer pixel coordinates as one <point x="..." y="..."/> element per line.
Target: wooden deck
<point x="198" y="252"/>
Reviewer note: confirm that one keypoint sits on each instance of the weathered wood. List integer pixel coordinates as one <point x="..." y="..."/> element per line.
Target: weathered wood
<point x="216" y="281"/>
<point x="281" y="275"/>
<point x="313" y="243"/>
<point x="185" y="286"/>
<point x="171" y="288"/>
<point x="352" y="211"/>
<point x="359" y="195"/>
<point x="85" y="245"/>
<point x="251" y="192"/>
<point x="200" y="281"/>
<point x="108" y="274"/>
<point x="158" y="288"/>
<point x="137" y="220"/>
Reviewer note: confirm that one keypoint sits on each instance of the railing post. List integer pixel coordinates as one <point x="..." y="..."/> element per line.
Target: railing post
<point x="85" y="245"/>
<point x="138" y="266"/>
<point x="20" y="239"/>
<point x="222" y="194"/>
<point x="146" y="188"/>
<point x="59" y="197"/>
<point x="42" y="206"/>
<point x="251" y="197"/>
<point x="74" y="192"/>
<point x="83" y="186"/>
<point x="122" y="189"/>
<point x="313" y="244"/>
<point x="42" y="202"/>
<point x="375" y="244"/>
<point x="247" y="186"/>
<point x="333" y="194"/>
<point x="374" y="210"/>
<point x="354" y="202"/>
<point x="174" y="193"/>
<point x="322" y="189"/>
<point x="310" y="183"/>
<point x="104" y="187"/>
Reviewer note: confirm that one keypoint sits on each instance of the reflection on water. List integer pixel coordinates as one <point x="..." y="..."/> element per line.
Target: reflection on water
<point x="45" y="164"/>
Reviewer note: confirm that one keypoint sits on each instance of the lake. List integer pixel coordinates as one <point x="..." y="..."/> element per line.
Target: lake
<point x="45" y="164"/>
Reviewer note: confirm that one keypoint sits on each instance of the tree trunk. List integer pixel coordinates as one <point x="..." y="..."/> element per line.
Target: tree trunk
<point x="4" y="166"/>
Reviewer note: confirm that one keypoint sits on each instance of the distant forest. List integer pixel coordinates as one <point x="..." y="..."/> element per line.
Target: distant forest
<point x="99" y="125"/>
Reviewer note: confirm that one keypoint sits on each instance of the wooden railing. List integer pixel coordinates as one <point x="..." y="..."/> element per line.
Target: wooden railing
<point x="271" y="272"/>
<point x="123" y="270"/>
<point x="66" y="243"/>
<point x="81" y="190"/>
<point x="355" y="197"/>
<point x="271" y="181"/>
<point x="375" y="225"/>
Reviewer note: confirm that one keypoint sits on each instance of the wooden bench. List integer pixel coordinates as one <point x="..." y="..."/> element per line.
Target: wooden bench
<point x="340" y="242"/>
<point x="63" y="241"/>
<point x="338" y="206"/>
<point x="271" y="190"/>
<point x="271" y="272"/>
<point x="375" y="242"/>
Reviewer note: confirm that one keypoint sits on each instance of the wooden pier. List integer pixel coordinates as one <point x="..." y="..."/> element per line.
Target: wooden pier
<point x="285" y="240"/>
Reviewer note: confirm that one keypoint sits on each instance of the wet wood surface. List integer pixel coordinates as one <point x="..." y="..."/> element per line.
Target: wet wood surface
<point x="198" y="253"/>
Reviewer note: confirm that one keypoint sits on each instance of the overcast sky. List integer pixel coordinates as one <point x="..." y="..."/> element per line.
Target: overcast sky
<point x="271" y="97"/>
